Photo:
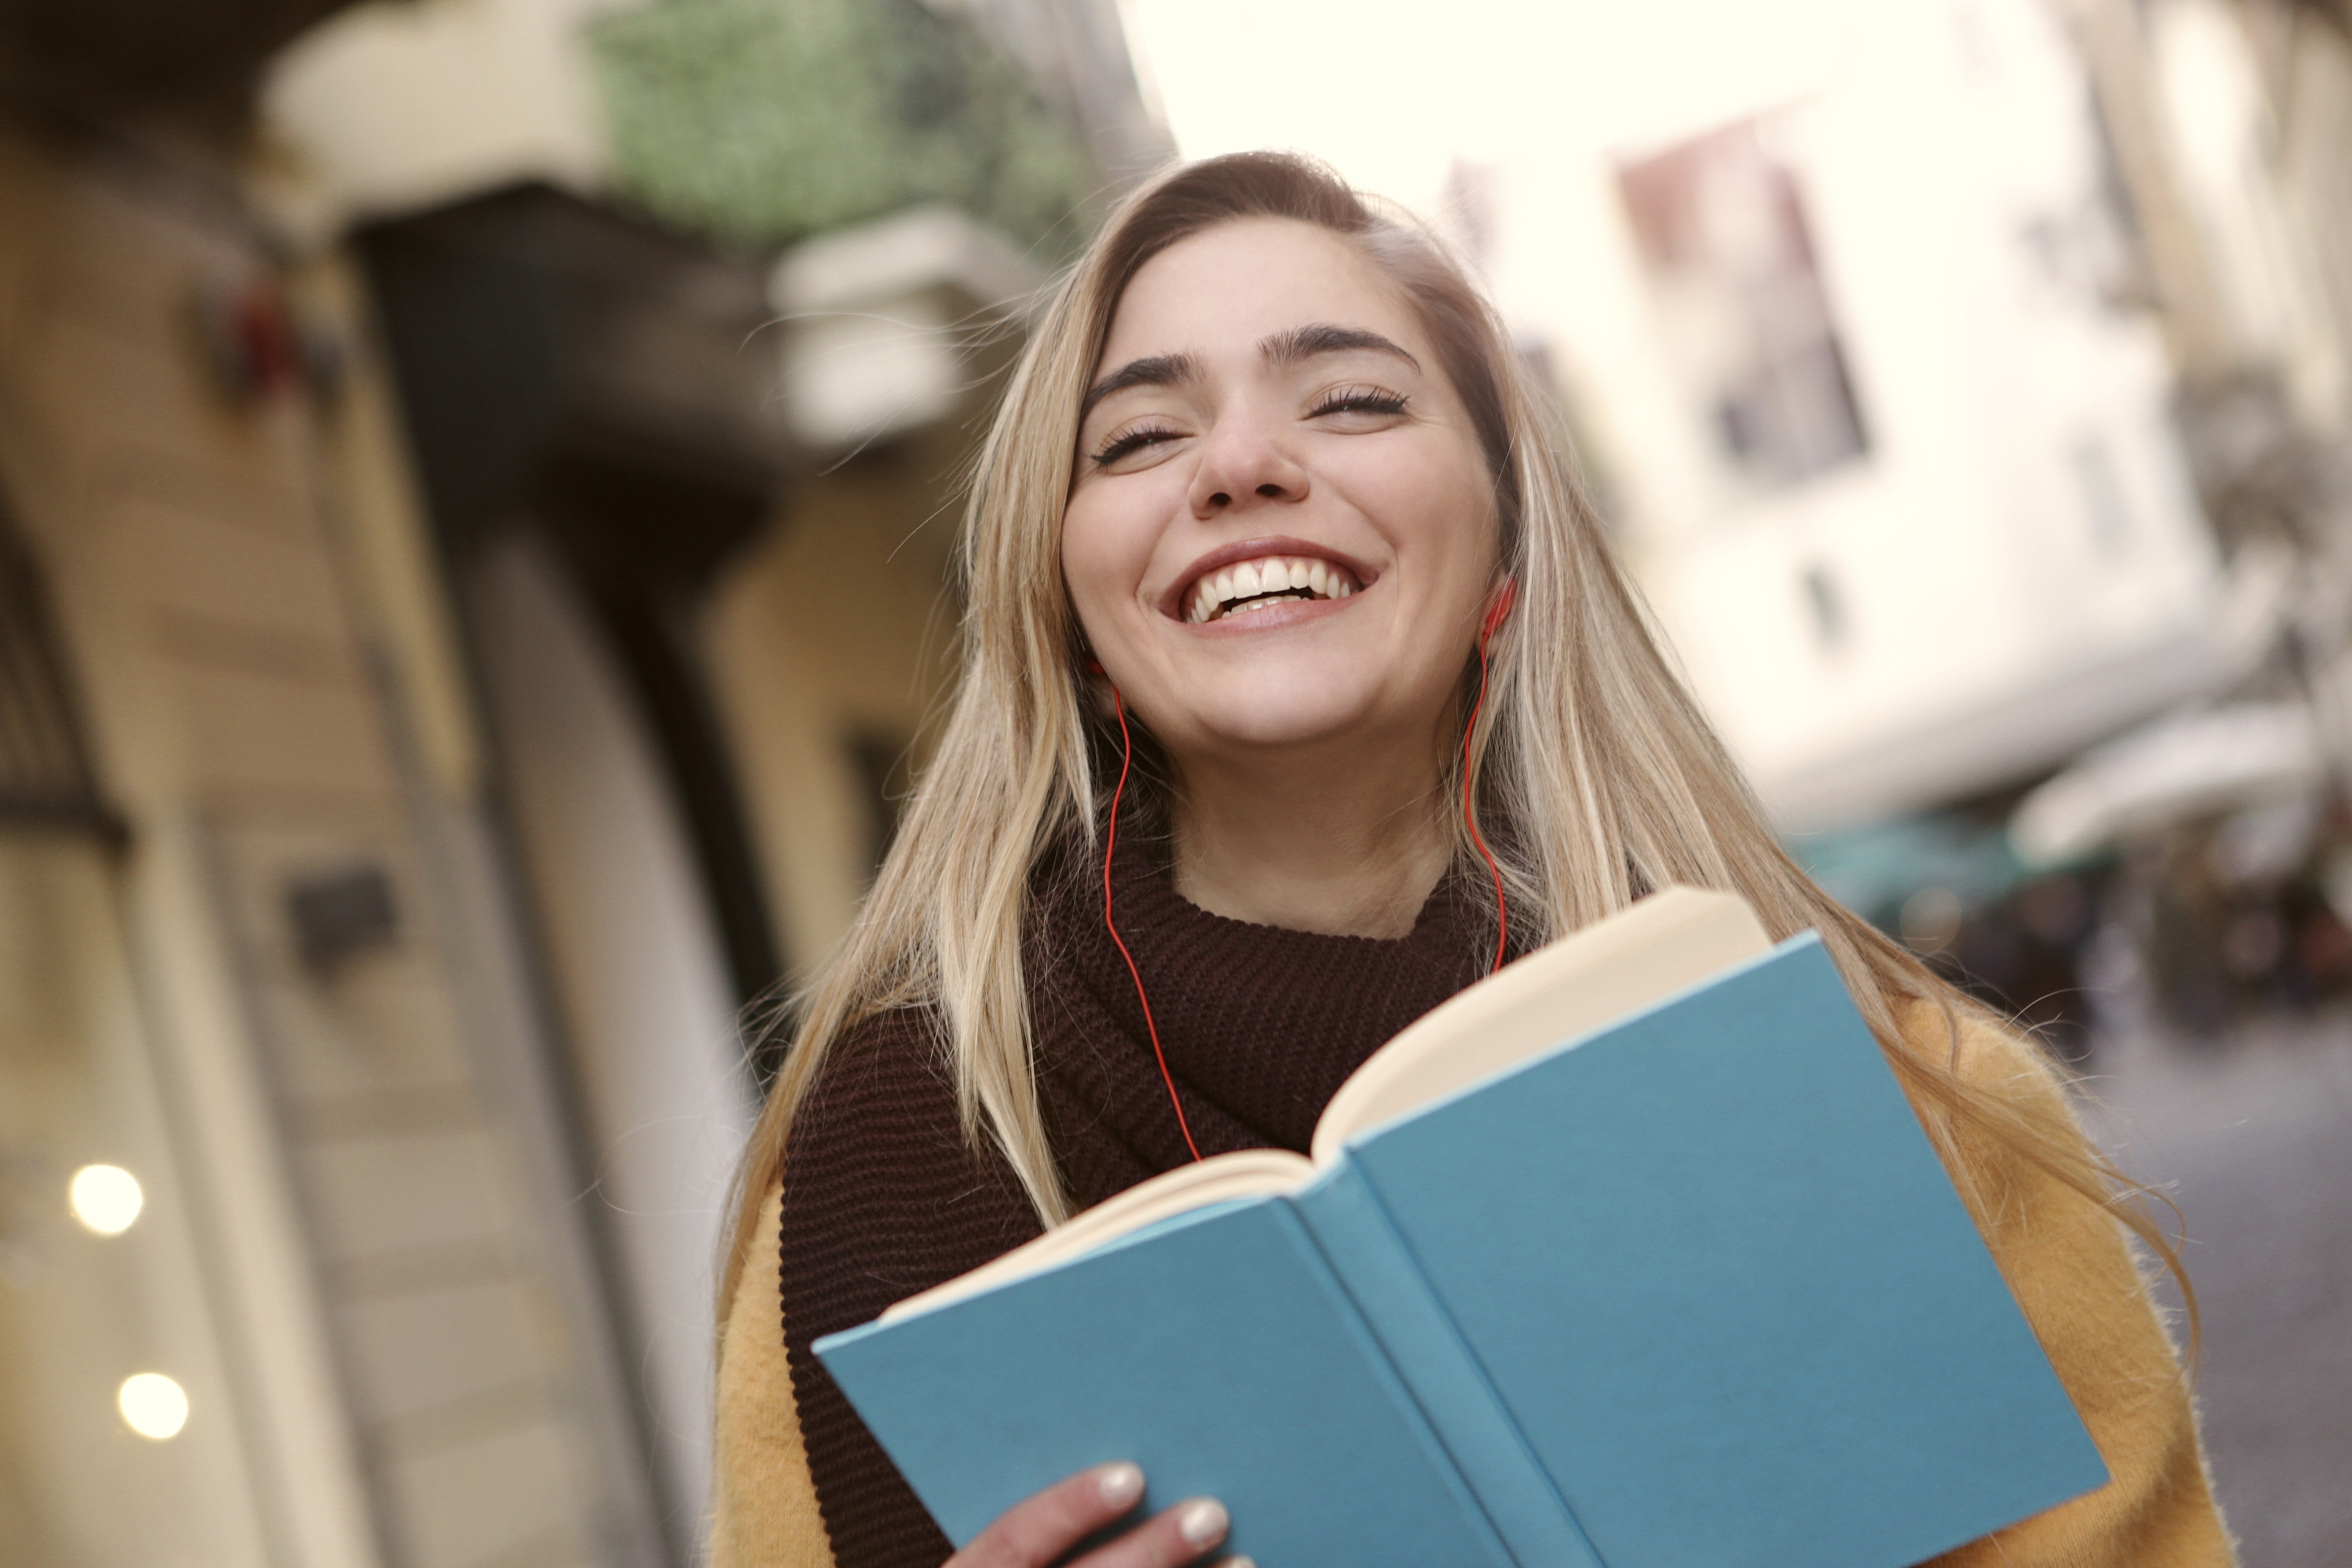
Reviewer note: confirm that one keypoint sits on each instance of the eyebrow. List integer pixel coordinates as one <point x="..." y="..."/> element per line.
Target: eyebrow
<point x="1286" y="349"/>
<point x="1281" y="350"/>
<point x="1157" y="370"/>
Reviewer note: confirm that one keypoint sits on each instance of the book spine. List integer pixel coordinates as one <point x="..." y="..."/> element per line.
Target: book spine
<point x="1373" y="1265"/>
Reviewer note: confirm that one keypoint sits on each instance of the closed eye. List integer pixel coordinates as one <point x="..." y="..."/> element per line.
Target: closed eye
<point x="1359" y="400"/>
<point x="1126" y="443"/>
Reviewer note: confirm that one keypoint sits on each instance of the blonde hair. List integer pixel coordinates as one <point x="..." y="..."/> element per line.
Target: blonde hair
<point x="1588" y="747"/>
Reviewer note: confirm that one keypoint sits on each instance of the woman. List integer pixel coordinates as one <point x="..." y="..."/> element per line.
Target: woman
<point x="1285" y="606"/>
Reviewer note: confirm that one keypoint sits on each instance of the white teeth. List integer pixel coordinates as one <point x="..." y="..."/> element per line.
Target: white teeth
<point x="1253" y="581"/>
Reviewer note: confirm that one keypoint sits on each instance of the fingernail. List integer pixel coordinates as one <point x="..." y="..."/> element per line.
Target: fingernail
<point x="1121" y="1484"/>
<point x="1202" y="1523"/>
<point x="1239" y="1563"/>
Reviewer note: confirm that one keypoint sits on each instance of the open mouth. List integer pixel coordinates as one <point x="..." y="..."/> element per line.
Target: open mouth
<point x="1250" y="587"/>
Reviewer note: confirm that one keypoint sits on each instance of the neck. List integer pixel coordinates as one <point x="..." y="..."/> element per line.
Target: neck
<point x="1348" y="846"/>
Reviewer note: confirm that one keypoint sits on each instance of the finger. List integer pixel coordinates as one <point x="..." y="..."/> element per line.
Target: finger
<point x="1039" y="1529"/>
<point x="1186" y="1532"/>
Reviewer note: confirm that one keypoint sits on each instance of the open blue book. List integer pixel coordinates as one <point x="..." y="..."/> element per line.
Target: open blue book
<point x="1631" y="1255"/>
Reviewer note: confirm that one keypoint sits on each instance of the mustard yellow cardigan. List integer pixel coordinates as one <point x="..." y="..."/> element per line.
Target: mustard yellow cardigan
<point x="2067" y="1259"/>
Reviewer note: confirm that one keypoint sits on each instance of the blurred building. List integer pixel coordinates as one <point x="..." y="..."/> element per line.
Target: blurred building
<point x="2195" y="868"/>
<point x="1968" y="380"/>
<point x="472" y="569"/>
<point x="2221" y="826"/>
<point x="1891" y="437"/>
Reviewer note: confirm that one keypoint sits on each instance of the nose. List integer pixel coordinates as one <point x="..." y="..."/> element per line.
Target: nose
<point x="1243" y="463"/>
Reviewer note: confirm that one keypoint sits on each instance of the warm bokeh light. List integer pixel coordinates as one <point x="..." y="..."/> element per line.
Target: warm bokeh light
<point x="153" y="1406"/>
<point x="1931" y="919"/>
<point x="105" y="1198"/>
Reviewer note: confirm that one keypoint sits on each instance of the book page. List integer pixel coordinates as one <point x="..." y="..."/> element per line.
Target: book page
<point x="1244" y="1173"/>
<point x="1666" y="942"/>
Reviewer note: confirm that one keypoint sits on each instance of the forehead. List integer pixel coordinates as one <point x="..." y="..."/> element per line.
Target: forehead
<point x="1233" y="286"/>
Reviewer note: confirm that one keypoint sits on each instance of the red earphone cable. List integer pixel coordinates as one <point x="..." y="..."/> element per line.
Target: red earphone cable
<point x="1469" y="819"/>
<point x="1110" y="845"/>
<point x="1111" y="848"/>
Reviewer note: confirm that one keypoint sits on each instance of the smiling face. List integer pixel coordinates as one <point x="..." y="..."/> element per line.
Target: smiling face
<point x="1282" y="530"/>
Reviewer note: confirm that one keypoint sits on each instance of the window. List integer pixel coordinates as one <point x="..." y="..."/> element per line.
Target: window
<point x="1721" y="224"/>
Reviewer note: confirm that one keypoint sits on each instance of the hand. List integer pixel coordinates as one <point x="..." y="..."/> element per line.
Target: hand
<point x="1037" y="1531"/>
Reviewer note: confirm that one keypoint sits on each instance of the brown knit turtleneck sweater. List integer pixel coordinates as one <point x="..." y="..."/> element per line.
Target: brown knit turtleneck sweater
<point x="882" y="1197"/>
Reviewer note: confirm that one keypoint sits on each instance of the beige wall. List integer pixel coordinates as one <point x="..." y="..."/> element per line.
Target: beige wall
<point x="81" y="1312"/>
<point x="392" y="107"/>
<point x="366" y="1152"/>
<point x="124" y="469"/>
<point x="838" y="622"/>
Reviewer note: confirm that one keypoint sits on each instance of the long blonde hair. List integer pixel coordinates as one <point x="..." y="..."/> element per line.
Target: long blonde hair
<point x="1587" y="746"/>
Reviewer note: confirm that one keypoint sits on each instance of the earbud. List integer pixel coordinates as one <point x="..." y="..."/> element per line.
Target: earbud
<point x="1499" y="611"/>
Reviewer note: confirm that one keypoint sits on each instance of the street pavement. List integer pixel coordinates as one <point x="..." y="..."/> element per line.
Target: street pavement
<point x="2253" y="1135"/>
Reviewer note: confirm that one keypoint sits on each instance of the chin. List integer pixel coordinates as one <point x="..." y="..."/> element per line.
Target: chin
<point x="1249" y="722"/>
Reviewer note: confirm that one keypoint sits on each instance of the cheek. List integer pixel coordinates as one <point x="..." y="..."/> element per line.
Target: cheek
<point x="1440" y="512"/>
<point x="1102" y="562"/>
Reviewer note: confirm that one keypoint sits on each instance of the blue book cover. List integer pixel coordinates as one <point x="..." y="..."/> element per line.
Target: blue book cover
<point x="1689" y="1288"/>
